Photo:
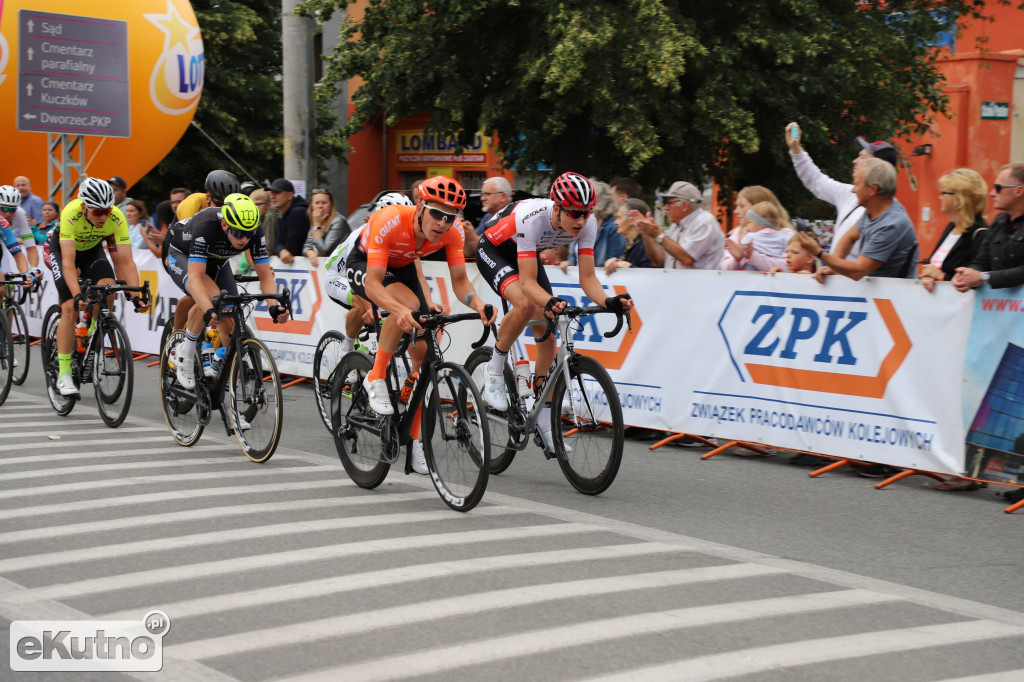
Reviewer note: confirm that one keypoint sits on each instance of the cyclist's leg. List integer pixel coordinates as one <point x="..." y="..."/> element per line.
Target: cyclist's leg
<point x="194" y="324"/>
<point x="224" y="280"/>
<point x="175" y="264"/>
<point x="99" y="271"/>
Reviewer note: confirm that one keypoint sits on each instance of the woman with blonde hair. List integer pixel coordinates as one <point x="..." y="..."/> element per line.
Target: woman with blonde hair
<point x="963" y="196"/>
<point x="327" y="227"/>
<point x="746" y="198"/>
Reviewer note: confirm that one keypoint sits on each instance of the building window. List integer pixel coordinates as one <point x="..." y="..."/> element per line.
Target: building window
<point x="472" y="179"/>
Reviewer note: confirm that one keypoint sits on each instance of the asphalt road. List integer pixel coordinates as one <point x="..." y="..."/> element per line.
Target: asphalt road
<point x="730" y="568"/>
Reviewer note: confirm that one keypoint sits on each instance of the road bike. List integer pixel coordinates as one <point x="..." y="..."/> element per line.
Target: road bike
<point x="586" y="417"/>
<point x="103" y="357"/>
<point x="248" y="394"/>
<point x="443" y="407"/>
<point x="10" y="308"/>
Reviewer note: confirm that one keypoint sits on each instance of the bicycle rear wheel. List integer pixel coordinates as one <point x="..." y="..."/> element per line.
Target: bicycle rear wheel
<point x="455" y="437"/>
<point x="325" y="360"/>
<point x="182" y="408"/>
<point x="589" y="423"/>
<point x="20" y="342"/>
<point x="501" y="434"/>
<point x="354" y="424"/>
<point x="62" y="405"/>
<point x="6" y="359"/>
<point x="254" y="390"/>
<point x="44" y="336"/>
<point x="113" y="372"/>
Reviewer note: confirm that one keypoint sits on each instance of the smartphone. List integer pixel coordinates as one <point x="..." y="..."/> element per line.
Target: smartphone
<point x="794" y="132"/>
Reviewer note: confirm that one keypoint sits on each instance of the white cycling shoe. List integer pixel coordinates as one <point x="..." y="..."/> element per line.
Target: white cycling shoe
<point x="377" y="392"/>
<point x="66" y="386"/>
<point x="186" y="372"/>
<point x="549" y="444"/>
<point x="239" y="421"/>
<point x="493" y="392"/>
<point x="419" y="461"/>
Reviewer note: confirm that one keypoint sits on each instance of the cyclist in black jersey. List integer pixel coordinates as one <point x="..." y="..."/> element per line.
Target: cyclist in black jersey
<point x="195" y="255"/>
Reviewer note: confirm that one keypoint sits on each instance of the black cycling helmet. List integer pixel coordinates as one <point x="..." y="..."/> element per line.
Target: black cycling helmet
<point x="220" y="183"/>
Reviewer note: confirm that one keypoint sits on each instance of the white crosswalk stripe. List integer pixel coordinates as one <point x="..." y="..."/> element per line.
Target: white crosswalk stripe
<point x="288" y="571"/>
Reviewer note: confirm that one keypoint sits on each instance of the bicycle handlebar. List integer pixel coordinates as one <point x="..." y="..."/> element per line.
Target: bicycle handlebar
<point x="577" y="311"/>
<point x="119" y="285"/>
<point x="241" y="298"/>
<point x="434" y="320"/>
<point x="241" y="279"/>
<point x="18" y="279"/>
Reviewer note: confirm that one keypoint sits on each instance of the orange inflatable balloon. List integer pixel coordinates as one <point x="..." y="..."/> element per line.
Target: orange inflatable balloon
<point x="126" y="74"/>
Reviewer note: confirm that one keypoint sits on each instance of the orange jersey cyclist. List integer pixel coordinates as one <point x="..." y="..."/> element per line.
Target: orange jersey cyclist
<point x="508" y="258"/>
<point x="85" y="224"/>
<point x="384" y="268"/>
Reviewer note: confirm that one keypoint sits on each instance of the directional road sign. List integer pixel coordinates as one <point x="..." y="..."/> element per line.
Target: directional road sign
<point x="73" y="75"/>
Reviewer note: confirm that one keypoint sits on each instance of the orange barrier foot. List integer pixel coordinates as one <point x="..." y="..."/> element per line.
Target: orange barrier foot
<point x="153" y="364"/>
<point x="1014" y="507"/>
<point x="143" y="356"/>
<point x="904" y="474"/>
<point x="721" y="448"/>
<point x="299" y="380"/>
<point x="36" y="342"/>
<point x="829" y="467"/>
<point x="677" y="436"/>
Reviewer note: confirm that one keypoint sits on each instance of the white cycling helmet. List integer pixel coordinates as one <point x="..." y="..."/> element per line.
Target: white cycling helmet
<point x="392" y="198"/>
<point x="10" y="196"/>
<point x="96" y="193"/>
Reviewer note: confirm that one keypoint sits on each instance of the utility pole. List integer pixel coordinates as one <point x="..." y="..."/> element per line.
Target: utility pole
<point x="299" y="112"/>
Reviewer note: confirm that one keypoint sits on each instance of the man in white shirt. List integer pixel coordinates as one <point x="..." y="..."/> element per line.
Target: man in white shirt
<point x="839" y="194"/>
<point x="694" y="239"/>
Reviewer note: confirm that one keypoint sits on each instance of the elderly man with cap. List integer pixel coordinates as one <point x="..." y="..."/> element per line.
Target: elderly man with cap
<point x="294" y="225"/>
<point x="839" y="194"/>
<point x="694" y="239"/>
<point x="121" y="197"/>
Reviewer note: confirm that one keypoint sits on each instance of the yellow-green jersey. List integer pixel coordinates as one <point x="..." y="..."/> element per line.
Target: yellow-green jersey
<point x="74" y="225"/>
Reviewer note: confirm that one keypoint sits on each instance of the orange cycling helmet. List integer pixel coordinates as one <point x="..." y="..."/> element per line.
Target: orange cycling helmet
<point x="443" y="190"/>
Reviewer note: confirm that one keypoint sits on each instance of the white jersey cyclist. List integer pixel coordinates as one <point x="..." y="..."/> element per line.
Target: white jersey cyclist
<point x="337" y="284"/>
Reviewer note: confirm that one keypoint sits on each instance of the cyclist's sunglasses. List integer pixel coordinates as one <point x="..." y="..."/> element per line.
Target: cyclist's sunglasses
<point x="101" y="212"/>
<point x="437" y="214"/>
<point x="576" y="215"/>
<point x="239" y="234"/>
<point x="8" y="209"/>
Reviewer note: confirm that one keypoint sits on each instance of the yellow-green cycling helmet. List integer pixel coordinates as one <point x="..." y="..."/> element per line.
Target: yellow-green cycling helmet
<point x="240" y="212"/>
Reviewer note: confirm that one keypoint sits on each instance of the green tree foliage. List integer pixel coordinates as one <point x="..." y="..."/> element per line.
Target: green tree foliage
<point x="241" y="103"/>
<point x="656" y="89"/>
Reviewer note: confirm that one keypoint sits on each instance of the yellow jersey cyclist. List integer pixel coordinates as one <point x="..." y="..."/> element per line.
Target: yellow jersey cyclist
<point x="508" y="258"/>
<point x="195" y="255"/>
<point x="77" y="246"/>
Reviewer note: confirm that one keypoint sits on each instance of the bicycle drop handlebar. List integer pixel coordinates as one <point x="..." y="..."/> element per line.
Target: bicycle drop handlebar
<point x="95" y="292"/>
<point x="18" y="279"/>
<point x="243" y="298"/>
<point x="434" y="320"/>
<point x="577" y="311"/>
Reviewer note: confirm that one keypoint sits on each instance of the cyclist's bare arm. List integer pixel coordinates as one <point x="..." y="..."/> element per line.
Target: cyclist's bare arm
<point x="124" y="269"/>
<point x="268" y="285"/>
<point x="463" y="287"/>
<point x="425" y="288"/>
<point x="590" y="284"/>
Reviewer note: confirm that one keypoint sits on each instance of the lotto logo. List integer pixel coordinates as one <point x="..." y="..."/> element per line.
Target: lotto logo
<point x="827" y="344"/>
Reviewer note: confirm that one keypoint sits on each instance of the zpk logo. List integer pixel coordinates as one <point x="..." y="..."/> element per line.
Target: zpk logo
<point x="831" y="344"/>
<point x="589" y="337"/>
<point x="304" y="294"/>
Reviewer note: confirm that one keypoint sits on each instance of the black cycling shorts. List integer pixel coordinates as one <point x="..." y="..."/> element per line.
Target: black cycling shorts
<point x="355" y="270"/>
<point x="93" y="264"/>
<point x="175" y="262"/>
<point x="499" y="265"/>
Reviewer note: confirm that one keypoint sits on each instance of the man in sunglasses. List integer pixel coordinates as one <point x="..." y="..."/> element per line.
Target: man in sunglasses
<point x="1000" y="261"/>
<point x="196" y="254"/>
<point x="77" y="245"/>
<point x="384" y="268"/>
<point x="508" y="258"/>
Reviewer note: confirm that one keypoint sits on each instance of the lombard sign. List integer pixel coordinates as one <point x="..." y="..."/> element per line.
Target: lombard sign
<point x="129" y="71"/>
<point x="829" y="344"/>
<point x="419" y="146"/>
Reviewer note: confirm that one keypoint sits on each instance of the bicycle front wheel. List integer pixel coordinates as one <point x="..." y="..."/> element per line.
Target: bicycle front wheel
<point x="112" y="372"/>
<point x="254" y="390"/>
<point x="455" y="437"/>
<point x="502" y="440"/>
<point x="325" y="360"/>
<point x="181" y="407"/>
<point x="6" y="359"/>
<point x="62" y="405"/>
<point x="586" y="426"/>
<point x="20" y="342"/>
<point x="354" y="424"/>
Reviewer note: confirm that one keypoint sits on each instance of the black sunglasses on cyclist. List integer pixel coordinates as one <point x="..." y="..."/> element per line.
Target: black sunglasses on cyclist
<point x="576" y="215"/>
<point x="239" y="234"/>
<point x="438" y="214"/>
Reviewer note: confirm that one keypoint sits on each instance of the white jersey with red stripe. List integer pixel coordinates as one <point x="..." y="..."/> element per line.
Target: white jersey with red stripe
<point x="531" y="226"/>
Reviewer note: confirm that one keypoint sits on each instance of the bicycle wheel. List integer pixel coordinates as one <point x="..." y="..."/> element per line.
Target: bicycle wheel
<point x="455" y="437"/>
<point x="254" y="399"/>
<point x="112" y="371"/>
<point x="325" y="360"/>
<point x="181" y="407"/>
<point x="6" y="359"/>
<point x="62" y="405"/>
<point x="591" y="426"/>
<point x="502" y="436"/>
<point x="20" y="342"/>
<point x="356" y="427"/>
<point x="44" y="350"/>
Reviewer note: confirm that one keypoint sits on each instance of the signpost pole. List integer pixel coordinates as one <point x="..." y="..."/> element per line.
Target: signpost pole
<point x="62" y="150"/>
